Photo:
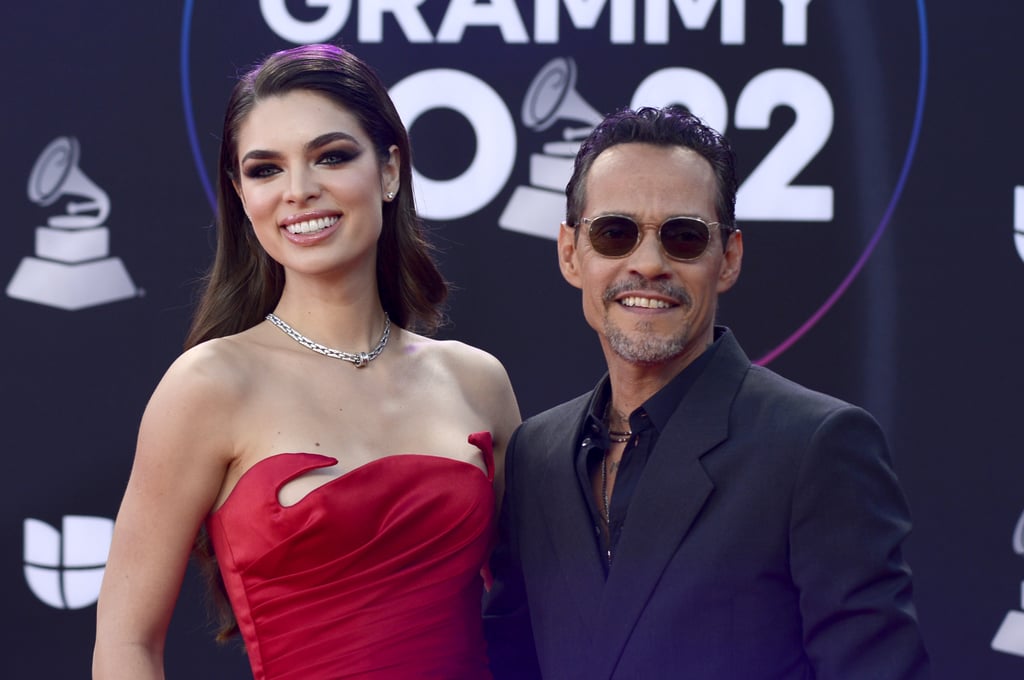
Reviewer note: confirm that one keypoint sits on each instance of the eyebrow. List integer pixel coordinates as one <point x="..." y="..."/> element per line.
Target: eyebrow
<point x="315" y="143"/>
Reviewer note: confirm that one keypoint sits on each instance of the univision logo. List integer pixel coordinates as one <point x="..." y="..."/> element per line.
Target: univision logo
<point x="64" y="568"/>
<point x="1018" y="220"/>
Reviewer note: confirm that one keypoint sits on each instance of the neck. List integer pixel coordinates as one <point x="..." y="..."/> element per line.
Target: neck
<point x="616" y="420"/>
<point x="350" y="325"/>
<point x="633" y="384"/>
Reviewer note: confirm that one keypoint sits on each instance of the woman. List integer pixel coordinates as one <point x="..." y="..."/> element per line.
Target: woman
<point x="340" y="463"/>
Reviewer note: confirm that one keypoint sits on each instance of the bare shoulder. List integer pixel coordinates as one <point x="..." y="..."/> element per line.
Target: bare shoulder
<point x="481" y="380"/>
<point x="220" y="366"/>
<point x="202" y="392"/>
<point x="472" y="367"/>
<point x="480" y="376"/>
<point x="476" y="373"/>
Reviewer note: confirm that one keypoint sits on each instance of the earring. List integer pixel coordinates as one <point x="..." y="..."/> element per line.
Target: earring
<point x="390" y="195"/>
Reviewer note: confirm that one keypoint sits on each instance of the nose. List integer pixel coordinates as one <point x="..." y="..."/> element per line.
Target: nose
<point x="648" y="259"/>
<point x="302" y="186"/>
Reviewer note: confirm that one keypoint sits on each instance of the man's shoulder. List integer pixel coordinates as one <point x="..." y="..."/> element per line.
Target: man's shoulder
<point x="772" y="395"/>
<point x="731" y="376"/>
<point x="575" y="405"/>
<point x="762" y="384"/>
<point x="563" y="415"/>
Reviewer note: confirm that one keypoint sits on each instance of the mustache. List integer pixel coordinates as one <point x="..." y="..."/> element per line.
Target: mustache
<point x="637" y="283"/>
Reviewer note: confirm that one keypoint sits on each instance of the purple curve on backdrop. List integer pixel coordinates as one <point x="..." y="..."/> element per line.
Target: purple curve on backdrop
<point x="883" y="225"/>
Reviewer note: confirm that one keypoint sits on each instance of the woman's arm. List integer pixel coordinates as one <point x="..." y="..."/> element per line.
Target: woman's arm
<point x="183" y="450"/>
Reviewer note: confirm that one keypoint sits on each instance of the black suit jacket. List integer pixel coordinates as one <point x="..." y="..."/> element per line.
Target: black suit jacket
<point x="762" y="541"/>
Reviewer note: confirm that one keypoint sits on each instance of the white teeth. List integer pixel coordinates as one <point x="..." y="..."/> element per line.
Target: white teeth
<point x="634" y="301"/>
<point x="310" y="226"/>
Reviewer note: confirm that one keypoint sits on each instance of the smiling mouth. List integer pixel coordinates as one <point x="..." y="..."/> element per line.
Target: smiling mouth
<point x="645" y="302"/>
<point x="312" y="226"/>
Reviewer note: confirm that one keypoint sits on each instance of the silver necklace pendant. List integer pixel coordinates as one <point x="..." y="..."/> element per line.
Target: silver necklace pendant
<point x="360" y="360"/>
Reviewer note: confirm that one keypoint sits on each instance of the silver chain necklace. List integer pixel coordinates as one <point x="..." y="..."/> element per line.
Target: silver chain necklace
<point x="360" y="359"/>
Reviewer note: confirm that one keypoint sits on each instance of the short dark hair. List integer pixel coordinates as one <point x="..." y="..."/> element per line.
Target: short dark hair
<point x="672" y="125"/>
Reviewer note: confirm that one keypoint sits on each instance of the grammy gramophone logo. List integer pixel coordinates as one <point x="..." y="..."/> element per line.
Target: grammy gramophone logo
<point x="552" y="96"/>
<point x="72" y="267"/>
<point x="1009" y="639"/>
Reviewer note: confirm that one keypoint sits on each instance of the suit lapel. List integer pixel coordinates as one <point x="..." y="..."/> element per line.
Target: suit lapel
<point x="668" y="498"/>
<point x="567" y="519"/>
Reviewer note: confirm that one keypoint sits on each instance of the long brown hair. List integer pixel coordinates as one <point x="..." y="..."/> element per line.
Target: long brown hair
<point x="244" y="283"/>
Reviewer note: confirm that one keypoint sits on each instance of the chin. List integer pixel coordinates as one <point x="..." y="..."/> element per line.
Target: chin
<point x="646" y="350"/>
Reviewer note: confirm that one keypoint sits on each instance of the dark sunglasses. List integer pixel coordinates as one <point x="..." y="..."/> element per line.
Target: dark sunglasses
<point x="682" y="238"/>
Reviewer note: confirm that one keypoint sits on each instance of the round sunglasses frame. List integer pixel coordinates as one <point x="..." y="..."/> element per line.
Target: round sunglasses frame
<point x="592" y="221"/>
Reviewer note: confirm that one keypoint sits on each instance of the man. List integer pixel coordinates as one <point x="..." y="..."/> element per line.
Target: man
<point x="694" y="516"/>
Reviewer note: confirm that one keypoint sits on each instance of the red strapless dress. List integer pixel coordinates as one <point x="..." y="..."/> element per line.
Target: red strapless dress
<point x="376" y="574"/>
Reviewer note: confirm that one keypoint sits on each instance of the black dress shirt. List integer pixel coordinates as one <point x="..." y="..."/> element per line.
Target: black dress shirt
<point x="646" y="423"/>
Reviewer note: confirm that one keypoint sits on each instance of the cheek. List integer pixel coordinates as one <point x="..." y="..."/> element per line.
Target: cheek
<point x="261" y="232"/>
<point x="256" y="200"/>
<point x="594" y="287"/>
<point x="592" y="304"/>
<point x="704" y="292"/>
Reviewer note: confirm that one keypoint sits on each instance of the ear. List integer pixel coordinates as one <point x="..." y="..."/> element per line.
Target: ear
<point x="732" y="262"/>
<point x="390" y="171"/>
<point x="568" y="260"/>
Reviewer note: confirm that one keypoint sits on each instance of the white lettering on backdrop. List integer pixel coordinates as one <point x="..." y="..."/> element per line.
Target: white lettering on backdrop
<point x="769" y="192"/>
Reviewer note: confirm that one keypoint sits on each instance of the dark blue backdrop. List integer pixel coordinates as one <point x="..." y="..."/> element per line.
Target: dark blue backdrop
<point x="880" y="259"/>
